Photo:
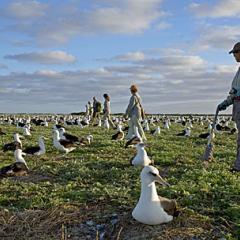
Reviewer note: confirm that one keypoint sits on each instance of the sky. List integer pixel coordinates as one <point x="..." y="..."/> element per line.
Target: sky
<point x="56" y="55"/>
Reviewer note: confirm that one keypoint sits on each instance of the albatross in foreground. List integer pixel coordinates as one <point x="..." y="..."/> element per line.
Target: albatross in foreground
<point x="152" y="209"/>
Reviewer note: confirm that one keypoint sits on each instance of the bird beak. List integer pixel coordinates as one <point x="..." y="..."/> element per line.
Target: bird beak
<point x="24" y="154"/>
<point x="21" y="137"/>
<point x="160" y="180"/>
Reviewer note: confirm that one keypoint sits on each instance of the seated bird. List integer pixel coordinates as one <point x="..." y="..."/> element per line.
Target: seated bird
<point x="186" y="132"/>
<point x="86" y="140"/>
<point x="19" y="168"/>
<point x="135" y="139"/>
<point x="152" y="209"/>
<point x="61" y="144"/>
<point x="13" y="145"/>
<point x="36" y="150"/>
<point x="119" y="135"/>
<point x="67" y="136"/>
<point x="156" y="131"/>
<point x="141" y="158"/>
<point x="26" y="131"/>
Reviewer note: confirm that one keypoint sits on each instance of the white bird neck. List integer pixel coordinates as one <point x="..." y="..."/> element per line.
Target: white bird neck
<point x="56" y="136"/>
<point x="41" y="144"/>
<point x="16" y="138"/>
<point x="19" y="158"/>
<point x="141" y="151"/>
<point x="148" y="192"/>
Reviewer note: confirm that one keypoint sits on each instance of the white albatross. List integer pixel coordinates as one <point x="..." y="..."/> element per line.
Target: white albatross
<point x="141" y="158"/>
<point x="152" y="209"/>
<point x="61" y="144"/>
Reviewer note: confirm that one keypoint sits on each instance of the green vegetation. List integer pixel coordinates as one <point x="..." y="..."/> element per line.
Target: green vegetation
<point x="93" y="182"/>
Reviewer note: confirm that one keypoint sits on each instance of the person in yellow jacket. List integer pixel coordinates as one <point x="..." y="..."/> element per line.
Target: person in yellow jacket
<point x="234" y="98"/>
<point x="134" y="112"/>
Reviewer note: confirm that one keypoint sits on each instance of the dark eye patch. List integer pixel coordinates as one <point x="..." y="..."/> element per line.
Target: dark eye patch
<point x="154" y="174"/>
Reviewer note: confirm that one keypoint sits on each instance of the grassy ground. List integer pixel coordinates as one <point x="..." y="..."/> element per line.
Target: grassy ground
<point x="93" y="190"/>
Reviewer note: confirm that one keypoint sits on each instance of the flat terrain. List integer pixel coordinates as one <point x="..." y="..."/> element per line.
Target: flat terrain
<point x="91" y="192"/>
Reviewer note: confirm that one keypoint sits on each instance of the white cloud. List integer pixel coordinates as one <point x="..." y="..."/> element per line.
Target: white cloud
<point x="222" y="8"/>
<point x="54" y="57"/>
<point x="163" y="25"/>
<point x="58" y="24"/>
<point x="26" y="9"/>
<point x="169" y="80"/>
<point x="217" y="37"/>
<point x="132" y="57"/>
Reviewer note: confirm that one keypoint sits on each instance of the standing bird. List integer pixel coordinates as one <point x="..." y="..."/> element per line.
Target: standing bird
<point x="13" y="145"/>
<point x="152" y="209"/>
<point x="61" y="144"/>
<point x="19" y="168"/>
<point x="36" y="150"/>
<point x="106" y="124"/>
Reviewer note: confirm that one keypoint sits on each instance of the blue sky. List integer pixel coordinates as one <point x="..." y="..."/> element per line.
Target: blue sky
<point x="56" y="55"/>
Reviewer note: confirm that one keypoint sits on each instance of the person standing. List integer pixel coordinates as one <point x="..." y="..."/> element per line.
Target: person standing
<point x="134" y="112"/>
<point x="90" y="109"/>
<point x="96" y="110"/>
<point x="107" y="110"/>
<point x="234" y="98"/>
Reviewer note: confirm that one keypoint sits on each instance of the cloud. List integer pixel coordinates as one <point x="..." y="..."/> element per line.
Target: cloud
<point x="54" y="57"/>
<point x="170" y="80"/>
<point x="25" y="9"/>
<point x="217" y="37"/>
<point x="130" y="57"/>
<point x="50" y="25"/>
<point x="222" y="8"/>
<point x="3" y="66"/>
<point x="163" y="25"/>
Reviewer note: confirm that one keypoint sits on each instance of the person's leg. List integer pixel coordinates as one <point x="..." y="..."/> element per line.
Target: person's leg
<point x="93" y="117"/>
<point x="111" y="122"/>
<point x="237" y="162"/>
<point x="130" y="129"/>
<point x="136" y="122"/>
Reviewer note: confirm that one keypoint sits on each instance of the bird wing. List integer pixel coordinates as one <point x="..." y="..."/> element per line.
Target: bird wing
<point x="66" y="143"/>
<point x="169" y="205"/>
<point x="32" y="150"/>
<point x="71" y="137"/>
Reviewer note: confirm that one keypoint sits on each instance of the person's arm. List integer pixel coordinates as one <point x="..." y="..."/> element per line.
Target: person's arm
<point x="132" y="103"/>
<point x="228" y="101"/>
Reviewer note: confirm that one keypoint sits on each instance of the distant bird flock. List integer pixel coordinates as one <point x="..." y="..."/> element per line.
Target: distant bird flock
<point x="151" y="209"/>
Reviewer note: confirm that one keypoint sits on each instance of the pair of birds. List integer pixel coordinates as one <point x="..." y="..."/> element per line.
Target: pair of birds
<point x="33" y="150"/>
<point x="151" y="209"/>
<point x="66" y="142"/>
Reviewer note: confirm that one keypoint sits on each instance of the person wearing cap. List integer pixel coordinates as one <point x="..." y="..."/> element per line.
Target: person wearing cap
<point x="234" y="98"/>
<point x="107" y="110"/>
<point x="134" y="112"/>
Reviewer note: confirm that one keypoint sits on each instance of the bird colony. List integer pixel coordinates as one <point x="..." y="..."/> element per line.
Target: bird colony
<point x="94" y="167"/>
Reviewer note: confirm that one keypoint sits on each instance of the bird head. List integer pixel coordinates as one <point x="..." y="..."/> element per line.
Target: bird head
<point x="151" y="174"/>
